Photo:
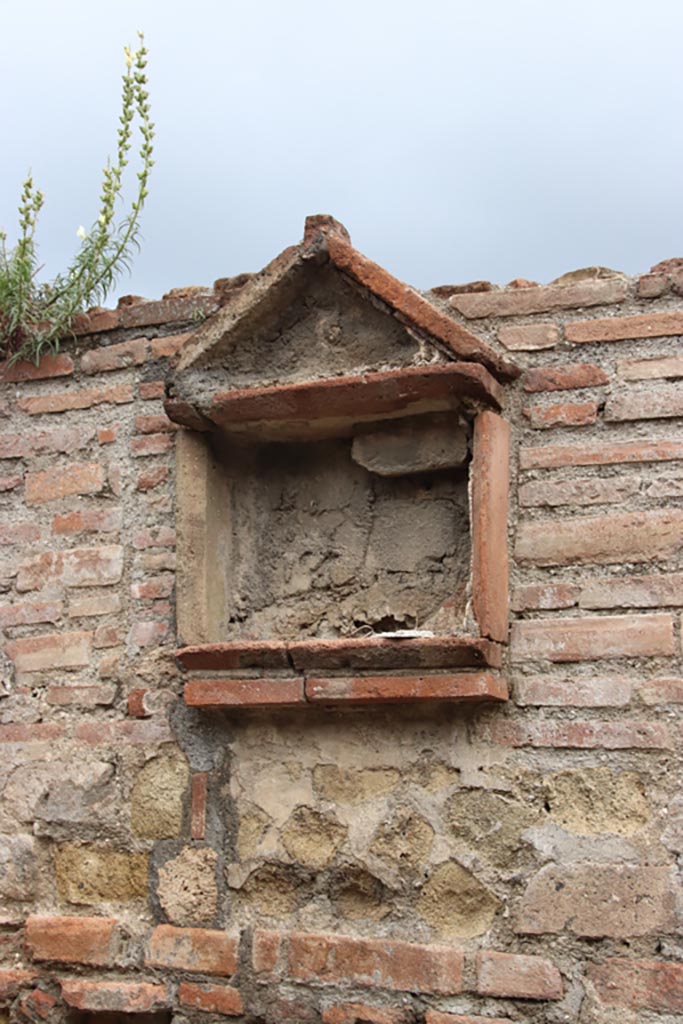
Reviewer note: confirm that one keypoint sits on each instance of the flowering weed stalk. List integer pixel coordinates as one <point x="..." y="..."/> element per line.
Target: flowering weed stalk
<point x="36" y="317"/>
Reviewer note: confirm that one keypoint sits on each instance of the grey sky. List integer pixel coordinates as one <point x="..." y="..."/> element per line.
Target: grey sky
<point x="456" y="140"/>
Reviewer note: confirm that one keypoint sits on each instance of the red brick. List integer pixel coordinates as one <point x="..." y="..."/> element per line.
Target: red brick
<point x="36" y="1004"/>
<point x="598" y="453"/>
<point x="198" y="809"/>
<point x="164" y="537"/>
<point x="510" y="976"/>
<point x="589" y="490"/>
<point x="96" y="321"/>
<point x="545" y="596"/>
<point x="661" y="691"/>
<point x="74" y="940"/>
<point x="591" y="692"/>
<point x="461" y="686"/>
<point x="622" y="328"/>
<point x="114" y="996"/>
<point x="378" y="963"/>
<point x="490" y="473"/>
<point x="166" y="311"/>
<point x="530" y="337"/>
<point x="606" y="539"/>
<point x="151" y="478"/>
<point x="115" y="357"/>
<point x="146" y="733"/>
<point x="64" y="401"/>
<point x="81" y="696"/>
<point x="561" y="414"/>
<point x="663" y="402"/>
<point x="88" y="521"/>
<point x="337" y="398"/>
<point x="211" y="998"/>
<point x="107" y="636"/>
<point x="265" y="950"/>
<point x="152" y="389"/>
<point x="154" y="588"/>
<point x="655" y="985"/>
<point x="148" y="634"/>
<point x="168" y="346"/>
<point x="206" y="693"/>
<point x="599" y="900"/>
<point x="591" y="638"/>
<point x="136" y="704"/>
<point x="651" y="286"/>
<point x="54" y="650"/>
<point x="77" y="567"/>
<point x="648" y="591"/>
<point x="154" y="424"/>
<point x="19" y="533"/>
<point x="8" y="483"/>
<point x="578" y="735"/>
<point x="26" y="613"/>
<point x="20" y="733"/>
<point x="198" y="950"/>
<point x="353" y="1013"/>
<point x="63" y="481"/>
<point x="12" y="980"/>
<point x="59" y="365"/>
<point x="670" y="367"/>
<point x="540" y="299"/>
<point x="107" y="435"/>
<point x="564" y="378"/>
<point x="61" y="439"/>
<point x="436" y="1017"/>
<point x="99" y="604"/>
<point x="151" y="444"/>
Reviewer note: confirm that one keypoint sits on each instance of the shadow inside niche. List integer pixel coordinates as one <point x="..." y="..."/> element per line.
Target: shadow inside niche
<point x="102" y="1017"/>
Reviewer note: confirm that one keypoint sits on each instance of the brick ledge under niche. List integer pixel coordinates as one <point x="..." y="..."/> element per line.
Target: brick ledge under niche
<point x="375" y="671"/>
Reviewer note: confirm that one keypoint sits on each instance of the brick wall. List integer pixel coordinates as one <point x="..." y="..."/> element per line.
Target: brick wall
<point x="440" y="866"/>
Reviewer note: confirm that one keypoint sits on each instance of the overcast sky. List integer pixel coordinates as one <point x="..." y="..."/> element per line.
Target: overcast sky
<point x="456" y="140"/>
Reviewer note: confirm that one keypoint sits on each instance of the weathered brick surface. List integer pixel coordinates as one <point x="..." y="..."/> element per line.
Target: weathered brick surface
<point x="542" y="299"/>
<point x="61" y="482"/>
<point x="221" y="999"/>
<point x="115" y="357"/>
<point x="83" y="398"/>
<point x="669" y="367"/>
<point x="350" y="1013"/>
<point x="114" y="996"/>
<point x="509" y="976"/>
<point x="564" y="378"/>
<point x="74" y="940"/>
<point x="339" y="959"/>
<point x="77" y="567"/>
<point x="529" y="338"/>
<point x="59" y="365"/>
<point x="198" y="950"/>
<point x="596" y="900"/>
<point x="622" y="328"/>
<point x="561" y="414"/>
<point x="655" y="985"/>
<point x="590" y="637"/>
<point x="588" y="692"/>
<point x="580" y="735"/>
<point x="662" y="402"/>
<point x="613" y="538"/>
<point x="578" y="491"/>
<point x="599" y="453"/>
<point x="54" y="650"/>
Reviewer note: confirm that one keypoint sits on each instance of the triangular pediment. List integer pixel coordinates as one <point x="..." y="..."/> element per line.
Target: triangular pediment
<point x="319" y="312"/>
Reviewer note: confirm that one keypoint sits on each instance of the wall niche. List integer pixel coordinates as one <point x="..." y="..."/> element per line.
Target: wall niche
<point x="355" y="519"/>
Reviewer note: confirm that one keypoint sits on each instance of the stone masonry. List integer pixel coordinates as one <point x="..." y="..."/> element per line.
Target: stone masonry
<point x="431" y="862"/>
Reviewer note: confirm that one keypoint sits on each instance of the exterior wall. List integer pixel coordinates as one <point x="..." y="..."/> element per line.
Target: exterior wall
<point x="443" y="865"/>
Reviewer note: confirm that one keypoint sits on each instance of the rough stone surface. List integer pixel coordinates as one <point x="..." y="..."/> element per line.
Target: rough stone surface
<point x="455" y="902"/>
<point x="89" y="875"/>
<point x="157" y="797"/>
<point x="412" y="448"/>
<point x="312" y="838"/>
<point x="597" y="800"/>
<point x="187" y="889"/>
